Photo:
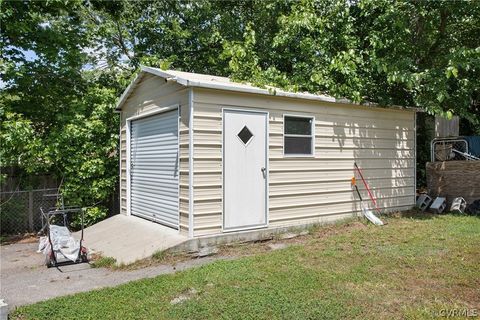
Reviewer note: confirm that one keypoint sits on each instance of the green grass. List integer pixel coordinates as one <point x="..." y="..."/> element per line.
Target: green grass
<point x="410" y="269"/>
<point x="104" y="262"/>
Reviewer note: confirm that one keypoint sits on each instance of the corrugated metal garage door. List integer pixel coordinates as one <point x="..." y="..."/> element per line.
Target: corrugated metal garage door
<point x="154" y="168"/>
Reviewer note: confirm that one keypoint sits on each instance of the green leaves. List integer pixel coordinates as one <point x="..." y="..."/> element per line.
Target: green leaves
<point x="422" y="54"/>
<point x="21" y="147"/>
<point x="451" y="71"/>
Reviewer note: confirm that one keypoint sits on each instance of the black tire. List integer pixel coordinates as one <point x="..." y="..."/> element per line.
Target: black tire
<point x="49" y="262"/>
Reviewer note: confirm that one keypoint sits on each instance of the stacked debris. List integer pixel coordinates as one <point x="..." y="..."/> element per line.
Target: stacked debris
<point x="455" y="148"/>
<point x="439" y="205"/>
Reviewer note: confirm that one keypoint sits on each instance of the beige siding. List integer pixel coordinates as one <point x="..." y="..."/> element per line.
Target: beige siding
<point x="306" y="190"/>
<point x="153" y="93"/>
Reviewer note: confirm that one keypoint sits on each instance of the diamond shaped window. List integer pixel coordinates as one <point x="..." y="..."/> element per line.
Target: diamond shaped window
<point x="245" y="135"/>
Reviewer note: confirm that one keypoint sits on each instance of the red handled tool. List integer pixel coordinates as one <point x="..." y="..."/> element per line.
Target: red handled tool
<point x="367" y="187"/>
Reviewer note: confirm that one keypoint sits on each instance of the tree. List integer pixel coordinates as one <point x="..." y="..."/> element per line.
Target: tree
<point x="412" y="53"/>
<point x="56" y="114"/>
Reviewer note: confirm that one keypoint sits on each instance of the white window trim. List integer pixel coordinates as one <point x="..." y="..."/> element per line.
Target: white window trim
<point x="312" y="135"/>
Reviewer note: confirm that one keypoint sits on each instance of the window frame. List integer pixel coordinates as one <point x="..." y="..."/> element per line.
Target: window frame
<point x="312" y="135"/>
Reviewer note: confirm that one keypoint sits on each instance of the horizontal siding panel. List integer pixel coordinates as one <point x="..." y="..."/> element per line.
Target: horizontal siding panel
<point x="184" y="192"/>
<point x="183" y="206"/>
<point x="207" y="179"/>
<point x="206" y="192"/>
<point x="207" y="230"/>
<point x="326" y="125"/>
<point x="184" y="178"/>
<point x="152" y="104"/>
<point x="208" y="151"/>
<point x="340" y="143"/>
<point x="208" y="123"/>
<point x="337" y="175"/>
<point x="338" y="195"/>
<point x="207" y="138"/>
<point x="214" y="99"/>
<point x="319" y="219"/>
<point x="322" y="142"/>
<point x="184" y="152"/>
<point x="205" y="207"/>
<point x="347" y="154"/>
<point x="151" y="91"/>
<point x="208" y="165"/>
<point x="352" y="132"/>
<point x="365" y="122"/>
<point x="316" y="187"/>
<point x="294" y="164"/>
<point x="208" y="220"/>
<point x="184" y="139"/>
<point x="385" y="201"/>
<point x="341" y="114"/>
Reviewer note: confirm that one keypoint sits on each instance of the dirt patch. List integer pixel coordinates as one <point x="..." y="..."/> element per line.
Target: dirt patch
<point x="235" y="250"/>
<point x="333" y="230"/>
<point x="20" y="238"/>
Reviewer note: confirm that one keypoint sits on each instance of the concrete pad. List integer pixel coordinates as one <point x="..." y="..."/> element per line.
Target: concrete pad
<point x="25" y="279"/>
<point x="130" y="238"/>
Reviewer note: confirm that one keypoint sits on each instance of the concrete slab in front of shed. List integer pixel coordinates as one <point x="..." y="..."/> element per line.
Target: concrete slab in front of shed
<point x="129" y="238"/>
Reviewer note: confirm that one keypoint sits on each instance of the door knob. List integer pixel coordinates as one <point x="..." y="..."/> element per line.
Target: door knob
<point x="264" y="172"/>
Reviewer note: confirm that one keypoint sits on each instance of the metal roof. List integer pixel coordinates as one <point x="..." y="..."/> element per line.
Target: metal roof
<point x="189" y="79"/>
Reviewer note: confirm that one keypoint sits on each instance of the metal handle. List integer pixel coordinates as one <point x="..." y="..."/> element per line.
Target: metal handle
<point x="264" y="172"/>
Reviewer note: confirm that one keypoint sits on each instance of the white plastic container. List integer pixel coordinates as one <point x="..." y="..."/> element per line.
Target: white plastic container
<point x="458" y="205"/>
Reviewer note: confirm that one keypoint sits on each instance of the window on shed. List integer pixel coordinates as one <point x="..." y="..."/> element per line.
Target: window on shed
<point x="298" y="135"/>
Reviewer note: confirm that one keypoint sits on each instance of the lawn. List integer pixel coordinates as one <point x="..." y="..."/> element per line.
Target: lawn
<point x="415" y="267"/>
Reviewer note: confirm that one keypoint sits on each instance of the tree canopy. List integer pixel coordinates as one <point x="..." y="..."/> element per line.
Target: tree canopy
<point x="65" y="62"/>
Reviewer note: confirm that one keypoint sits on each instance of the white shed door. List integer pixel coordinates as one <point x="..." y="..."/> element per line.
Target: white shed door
<point x="154" y="168"/>
<point x="245" y="170"/>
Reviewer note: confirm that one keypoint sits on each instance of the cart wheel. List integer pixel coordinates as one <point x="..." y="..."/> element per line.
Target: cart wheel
<point x="84" y="255"/>
<point x="49" y="261"/>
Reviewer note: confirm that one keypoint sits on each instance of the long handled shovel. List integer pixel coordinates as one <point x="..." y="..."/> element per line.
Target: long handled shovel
<point x="367" y="187"/>
<point x="366" y="212"/>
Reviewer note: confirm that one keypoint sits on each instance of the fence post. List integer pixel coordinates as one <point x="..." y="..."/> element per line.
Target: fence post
<point x="30" y="210"/>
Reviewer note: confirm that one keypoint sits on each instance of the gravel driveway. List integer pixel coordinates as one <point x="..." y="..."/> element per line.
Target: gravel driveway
<point x="24" y="279"/>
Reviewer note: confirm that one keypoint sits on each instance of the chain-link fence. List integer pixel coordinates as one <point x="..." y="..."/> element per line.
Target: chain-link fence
<point x="448" y="149"/>
<point x="20" y="210"/>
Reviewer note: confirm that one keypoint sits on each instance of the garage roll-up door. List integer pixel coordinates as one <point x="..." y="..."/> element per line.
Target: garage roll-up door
<point x="154" y="168"/>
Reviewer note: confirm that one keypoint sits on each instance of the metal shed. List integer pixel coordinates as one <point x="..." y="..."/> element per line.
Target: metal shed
<point x="209" y="156"/>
